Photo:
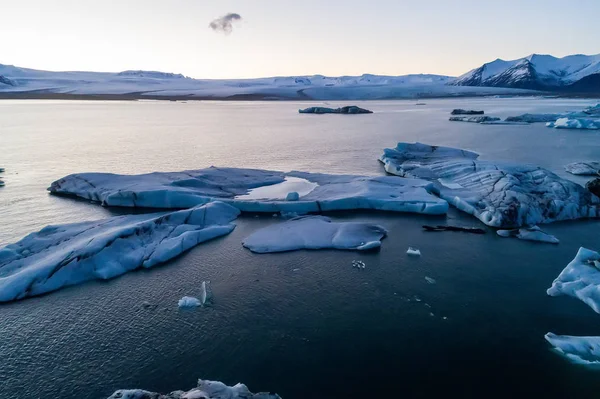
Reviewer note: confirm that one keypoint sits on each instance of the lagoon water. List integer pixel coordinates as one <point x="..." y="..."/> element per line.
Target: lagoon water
<point x="304" y="324"/>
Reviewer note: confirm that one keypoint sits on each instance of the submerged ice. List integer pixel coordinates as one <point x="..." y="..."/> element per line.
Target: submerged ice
<point x="580" y="350"/>
<point x="243" y="188"/>
<point x="580" y="279"/>
<point x="315" y="232"/>
<point x="205" y="390"/>
<point x="500" y="194"/>
<point x="64" y="255"/>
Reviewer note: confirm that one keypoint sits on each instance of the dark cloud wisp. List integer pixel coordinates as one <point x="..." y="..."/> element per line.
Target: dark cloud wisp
<point x="225" y="23"/>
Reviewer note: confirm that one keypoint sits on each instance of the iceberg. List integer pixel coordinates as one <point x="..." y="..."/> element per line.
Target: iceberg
<point x="315" y="232"/>
<point x="474" y="119"/>
<point x="534" y="118"/>
<point x="254" y="190"/>
<point x="591" y="168"/>
<point x="349" y="110"/>
<point x="575" y="123"/>
<point x="460" y="111"/>
<point x="500" y="194"/>
<point x="189" y="302"/>
<point x="580" y="279"/>
<point x="592" y="110"/>
<point x="579" y="350"/>
<point x="64" y="255"/>
<point x="533" y="233"/>
<point x="205" y="390"/>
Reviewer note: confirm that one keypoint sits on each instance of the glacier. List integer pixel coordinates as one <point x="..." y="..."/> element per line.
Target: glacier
<point x="315" y="232"/>
<point x="591" y="168"/>
<point x="500" y="194"/>
<point x="575" y="123"/>
<point x="533" y="233"/>
<point x="64" y="255"/>
<point x="317" y="192"/>
<point x="579" y="350"/>
<point x="580" y="279"/>
<point x="205" y="390"/>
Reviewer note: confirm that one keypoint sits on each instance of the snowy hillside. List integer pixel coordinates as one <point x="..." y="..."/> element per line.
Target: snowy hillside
<point x="16" y="81"/>
<point x="537" y="72"/>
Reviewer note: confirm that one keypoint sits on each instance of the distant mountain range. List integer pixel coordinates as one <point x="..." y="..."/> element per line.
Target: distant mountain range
<point x="573" y="74"/>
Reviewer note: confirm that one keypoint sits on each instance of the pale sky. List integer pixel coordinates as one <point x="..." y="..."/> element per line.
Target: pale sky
<point x="291" y="37"/>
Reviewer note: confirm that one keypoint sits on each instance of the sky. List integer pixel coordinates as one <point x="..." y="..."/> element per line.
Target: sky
<point x="291" y="37"/>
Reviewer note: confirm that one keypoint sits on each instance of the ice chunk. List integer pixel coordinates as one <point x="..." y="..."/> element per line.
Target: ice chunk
<point x="205" y="293"/>
<point x="533" y="233"/>
<point x="352" y="109"/>
<point x="575" y="123"/>
<point x="64" y="255"/>
<point x="580" y="279"/>
<point x="534" y="118"/>
<point x="474" y="119"/>
<point x="500" y="194"/>
<point x="580" y="350"/>
<point x="584" y="168"/>
<point x="269" y="189"/>
<point x="359" y="264"/>
<point x="460" y="111"/>
<point x="189" y="302"/>
<point x="315" y="232"/>
<point x="413" y="251"/>
<point x="205" y="390"/>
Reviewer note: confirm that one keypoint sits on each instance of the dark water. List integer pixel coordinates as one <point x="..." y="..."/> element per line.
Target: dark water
<point x="325" y="330"/>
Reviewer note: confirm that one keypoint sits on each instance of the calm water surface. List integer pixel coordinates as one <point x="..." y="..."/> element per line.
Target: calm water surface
<point x="304" y="324"/>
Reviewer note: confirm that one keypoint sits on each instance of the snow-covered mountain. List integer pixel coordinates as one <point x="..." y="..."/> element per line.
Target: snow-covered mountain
<point x="536" y="72"/>
<point x="23" y="82"/>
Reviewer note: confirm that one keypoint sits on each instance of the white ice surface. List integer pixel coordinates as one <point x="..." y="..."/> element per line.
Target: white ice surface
<point x="190" y="188"/>
<point x="205" y="390"/>
<point x="63" y="255"/>
<point x="580" y="350"/>
<point x="580" y="279"/>
<point x="315" y="232"/>
<point x="500" y="194"/>
<point x="575" y="123"/>
<point x="529" y="234"/>
<point x="590" y="168"/>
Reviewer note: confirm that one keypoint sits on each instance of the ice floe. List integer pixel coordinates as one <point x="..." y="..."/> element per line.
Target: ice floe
<point x="205" y="390"/>
<point x="316" y="192"/>
<point x="64" y="255"/>
<point x="580" y="350"/>
<point x="575" y="123"/>
<point x="460" y="111"/>
<point x="351" y="109"/>
<point x="584" y="168"/>
<point x="580" y="279"/>
<point x="533" y="233"/>
<point x="315" y="232"/>
<point x="500" y="194"/>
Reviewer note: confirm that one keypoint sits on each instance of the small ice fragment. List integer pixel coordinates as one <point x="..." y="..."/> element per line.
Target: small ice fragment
<point x="205" y="293"/>
<point x="295" y="270"/>
<point x="431" y="314"/>
<point x="189" y="302"/>
<point x="358" y="264"/>
<point x="292" y="196"/>
<point x="413" y="251"/>
<point x="430" y="280"/>
<point x="444" y="318"/>
<point x="416" y="298"/>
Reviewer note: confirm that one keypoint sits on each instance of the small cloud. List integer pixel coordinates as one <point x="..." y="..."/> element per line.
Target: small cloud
<point x="225" y="23"/>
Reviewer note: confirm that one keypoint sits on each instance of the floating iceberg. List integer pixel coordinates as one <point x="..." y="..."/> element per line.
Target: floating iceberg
<point x="580" y="350"/>
<point x="315" y="232"/>
<point x="189" y="302"/>
<point x="500" y="194"/>
<point x="460" y="111"/>
<point x="534" y="118"/>
<point x="352" y="109"/>
<point x="205" y="390"/>
<point x="64" y="255"/>
<point x="584" y="168"/>
<point x="529" y="234"/>
<point x="580" y="279"/>
<point x="474" y="119"/>
<point x="575" y="123"/>
<point x="254" y="190"/>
